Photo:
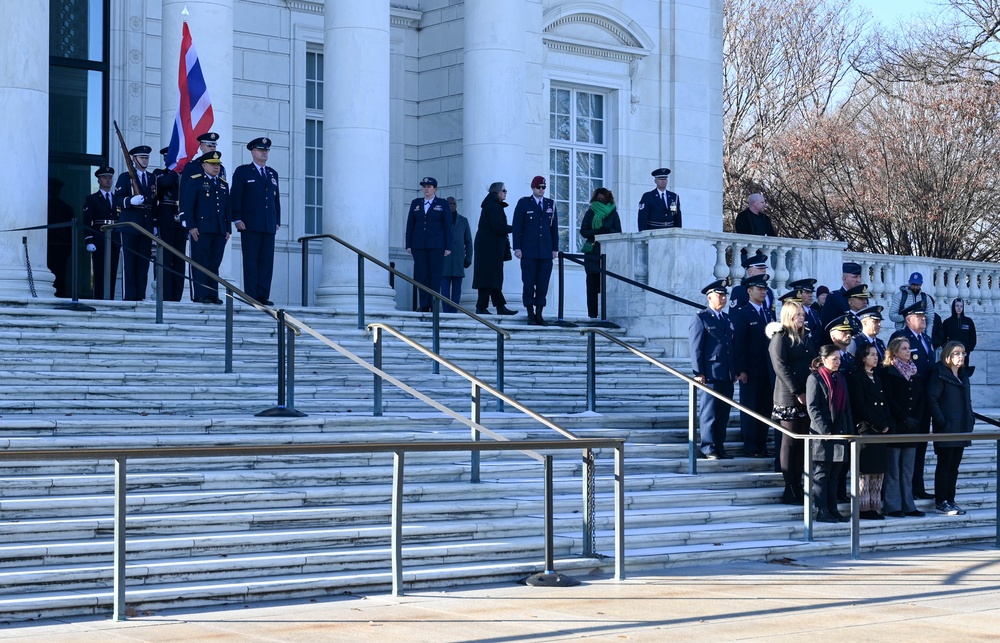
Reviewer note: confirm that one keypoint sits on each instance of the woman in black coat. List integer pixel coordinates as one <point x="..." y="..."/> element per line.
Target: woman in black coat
<point x="829" y="414"/>
<point x="905" y="395"/>
<point x="949" y="395"/>
<point x="792" y="352"/>
<point x="871" y="416"/>
<point x="492" y="248"/>
<point x="601" y="218"/>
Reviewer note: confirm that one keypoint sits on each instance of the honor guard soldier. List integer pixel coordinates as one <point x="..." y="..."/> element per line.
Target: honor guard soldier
<point x="752" y="363"/>
<point x="711" y="347"/>
<point x="99" y="210"/>
<point x="871" y="324"/>
<point x="805" y="288"/>
<point x="135" y="205"/>
<point x="536" y="244"/>
<point x="753" y="265"/>
<point x="207" y="215"/>
<point x="207" y="142"/>
<point x="659" y="208"/>
<point x="428" y="239"/>
<point x="257" y="215"/>
<point x="836" y="301"/>
<point x="167" y="215"/>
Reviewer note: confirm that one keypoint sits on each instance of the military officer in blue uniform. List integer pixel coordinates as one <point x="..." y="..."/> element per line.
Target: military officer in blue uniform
<point x="836" y="301"/>
<point x="659" y="208"/>
<point x="99" y="210"/>
<point x="257" y="215"/>
<point x="428" y="239"/>
<point x="207" y="142"/>
<point x="136" y="207"/>
<point x="752" y="265"/>
<point x="806" y="289"/>
<point x="536" y="244"/>
<point x="871" y="324"/>
<point x="752" y="364"/>
<point x="168" y="228"/>
<point x="710" y="339"/>
<point x="206" y="213"/>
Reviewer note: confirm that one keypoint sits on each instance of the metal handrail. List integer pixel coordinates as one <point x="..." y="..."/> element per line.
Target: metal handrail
<point x="437" y="300"/>
<point x="579" y="260"/>
<point x="856" y="441"/>
<point x="398" y="450"/>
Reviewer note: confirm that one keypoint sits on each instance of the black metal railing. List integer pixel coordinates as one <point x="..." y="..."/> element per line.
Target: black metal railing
<point x="579" y="259"/>
<point x="436" y="302"/>
<point x="856" y="441"/>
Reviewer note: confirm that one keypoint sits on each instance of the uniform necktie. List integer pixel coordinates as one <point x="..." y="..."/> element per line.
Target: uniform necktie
<point x="663" y="197"/>
<point x="107" y="197"/>
<point x="262" y="174"/>
<point x="142" y="180"/>
<point x="539" y="205"/>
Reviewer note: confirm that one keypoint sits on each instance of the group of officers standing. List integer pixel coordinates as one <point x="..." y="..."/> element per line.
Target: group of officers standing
<point x="807" y="371"/>
<point x="440" y="242"/>
<point x="199" y="204"/>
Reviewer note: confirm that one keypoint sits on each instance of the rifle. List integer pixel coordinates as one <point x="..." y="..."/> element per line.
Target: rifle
<point x="129" y="164"/>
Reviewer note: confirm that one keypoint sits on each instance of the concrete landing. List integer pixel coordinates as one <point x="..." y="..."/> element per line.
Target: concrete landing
<point x="924" y="595"/>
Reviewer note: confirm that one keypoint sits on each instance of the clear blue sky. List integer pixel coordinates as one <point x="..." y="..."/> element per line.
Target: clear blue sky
<point x="889" y="12"/>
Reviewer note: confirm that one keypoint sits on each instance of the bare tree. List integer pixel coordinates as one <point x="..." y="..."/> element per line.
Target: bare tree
<point x="911" y="172"/>
<point x="785" y="62"/>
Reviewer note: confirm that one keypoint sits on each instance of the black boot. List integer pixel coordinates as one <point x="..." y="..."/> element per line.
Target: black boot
<point x="531" y="316"/>
<point x="538" y="316"/>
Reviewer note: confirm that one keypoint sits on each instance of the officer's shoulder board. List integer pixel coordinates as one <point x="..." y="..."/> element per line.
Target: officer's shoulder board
<point x="197" y="176"/>
<point x="222" y="179"/>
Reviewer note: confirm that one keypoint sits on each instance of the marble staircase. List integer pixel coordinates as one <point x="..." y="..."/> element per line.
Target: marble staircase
<point x="239" y="529"/>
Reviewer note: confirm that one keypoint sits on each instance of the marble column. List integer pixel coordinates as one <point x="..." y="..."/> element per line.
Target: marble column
<point x="24" y="129"/>
<point x="494" y="113"/>
<point x="356" y="151"/>
<point x="211" y="26"/>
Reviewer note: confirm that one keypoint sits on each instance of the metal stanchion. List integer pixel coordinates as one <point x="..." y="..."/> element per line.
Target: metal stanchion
<point x="549" y="578"/>
<point x="282" y="409"/>
<point x="74" y="273"/>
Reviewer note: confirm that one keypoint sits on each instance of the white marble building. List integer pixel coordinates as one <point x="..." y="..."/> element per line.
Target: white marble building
<point x="364" y="97"/>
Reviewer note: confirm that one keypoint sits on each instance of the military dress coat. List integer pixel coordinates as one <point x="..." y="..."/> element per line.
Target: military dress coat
<point x="206" y="205"/>
<point x="255" y="198"/>
<point x="654" y="214"/>
<point x="710" y="338"/>
<point x="431" y="229"/>
<point x="491" y="245"/>
<point x="536" y="230"/>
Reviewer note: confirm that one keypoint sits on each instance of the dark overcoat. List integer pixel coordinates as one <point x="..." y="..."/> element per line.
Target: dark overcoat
<point x="491" y="244"/>
<point x="869" y="404"/>
<point x="950" y="401"/>
<point x="791" y="367"/>
<point x="824" y="422"/>
<point x="461" y="248"/>
<point x="906" y="403"/>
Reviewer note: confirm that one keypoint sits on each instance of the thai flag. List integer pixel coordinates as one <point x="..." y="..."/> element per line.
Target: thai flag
<point x="194" y="111"/>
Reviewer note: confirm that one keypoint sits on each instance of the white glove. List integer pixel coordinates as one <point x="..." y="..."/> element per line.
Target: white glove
<point x="137" y="199"/>
<point x="156" y="231"/>
<point x="91" y="247"/>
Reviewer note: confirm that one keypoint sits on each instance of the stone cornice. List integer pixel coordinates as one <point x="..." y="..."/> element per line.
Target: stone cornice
<point x="398" y="16"/>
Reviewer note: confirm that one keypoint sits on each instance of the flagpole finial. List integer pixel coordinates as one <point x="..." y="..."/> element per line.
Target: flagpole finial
<point x="185" y="11"/>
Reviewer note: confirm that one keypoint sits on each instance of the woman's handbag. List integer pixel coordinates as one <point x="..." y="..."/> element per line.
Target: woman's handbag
<point x="506" y="251"/>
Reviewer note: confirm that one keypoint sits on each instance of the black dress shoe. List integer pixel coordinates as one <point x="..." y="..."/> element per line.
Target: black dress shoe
<point x="923" y="495"/>
<point x="843" y="497"/>
<point x="916" y="513"/>
<point x="483" y="311"/>
<point x="216" y="301"/>
<point x="871" y="515"/>
<point x="896" y="514"/>
<point x="424" y="309"/>
<point x="840" y="517"/>
<point x="267" y="302"/>
<point x="724" y="455"/>
<point x="505" y="311"/>
<point x="711" y="455"/>
<point x="826" y="517"/>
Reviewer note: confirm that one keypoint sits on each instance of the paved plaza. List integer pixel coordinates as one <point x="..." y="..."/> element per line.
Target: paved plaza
<point x="928" y="595"/>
